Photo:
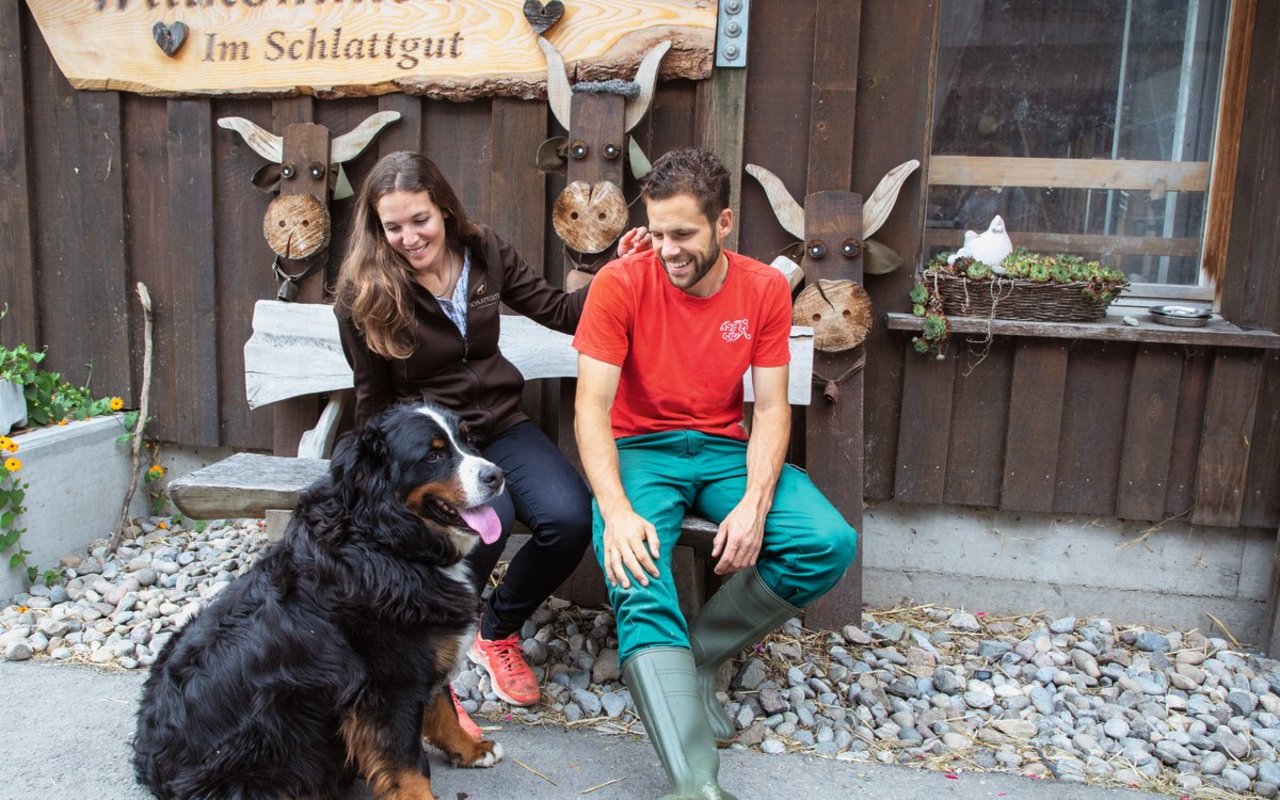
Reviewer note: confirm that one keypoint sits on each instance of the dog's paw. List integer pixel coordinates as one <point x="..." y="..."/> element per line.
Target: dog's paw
<point x="487" y="755"/>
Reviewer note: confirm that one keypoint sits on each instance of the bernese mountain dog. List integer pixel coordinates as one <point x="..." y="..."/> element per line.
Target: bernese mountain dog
<point x="330" y="658"/>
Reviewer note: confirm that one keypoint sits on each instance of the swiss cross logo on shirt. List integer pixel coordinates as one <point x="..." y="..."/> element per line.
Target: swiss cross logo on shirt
<point x="734" y="329"/>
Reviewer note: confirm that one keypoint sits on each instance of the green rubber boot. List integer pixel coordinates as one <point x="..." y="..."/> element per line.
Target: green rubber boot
<point x="664" y="687"/>
<point x="740" y="613"/>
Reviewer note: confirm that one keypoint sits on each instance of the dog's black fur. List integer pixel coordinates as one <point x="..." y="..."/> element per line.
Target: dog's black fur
<point x="317" y="665"/>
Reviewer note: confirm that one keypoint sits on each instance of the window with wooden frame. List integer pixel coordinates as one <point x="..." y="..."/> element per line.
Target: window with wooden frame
<point x="1102" y="128"/>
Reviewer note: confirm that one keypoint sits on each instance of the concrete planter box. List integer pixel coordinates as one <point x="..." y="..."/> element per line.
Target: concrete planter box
<point x="77" y="476"/>
<point x="13" y="407"/>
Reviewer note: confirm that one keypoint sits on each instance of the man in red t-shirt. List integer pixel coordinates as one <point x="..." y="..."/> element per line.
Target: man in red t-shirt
<point x="663" y="343"/>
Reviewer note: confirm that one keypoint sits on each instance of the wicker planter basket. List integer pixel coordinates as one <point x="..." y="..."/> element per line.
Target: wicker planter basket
<point x="1015" y="298"/>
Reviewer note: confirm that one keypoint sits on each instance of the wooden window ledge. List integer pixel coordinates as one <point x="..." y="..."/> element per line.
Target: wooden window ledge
<point x="1218" y="333"/>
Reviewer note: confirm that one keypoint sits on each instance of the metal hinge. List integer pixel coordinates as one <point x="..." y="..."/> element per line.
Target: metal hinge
<point x="731" y="33"/>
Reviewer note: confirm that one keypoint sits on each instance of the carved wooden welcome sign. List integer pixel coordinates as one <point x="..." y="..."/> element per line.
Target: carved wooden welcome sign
<point x="456" y="49"/>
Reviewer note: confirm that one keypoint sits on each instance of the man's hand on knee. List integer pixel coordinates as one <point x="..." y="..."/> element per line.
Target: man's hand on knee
<point x="737" y="543"/>
<point x="626" y="535"/>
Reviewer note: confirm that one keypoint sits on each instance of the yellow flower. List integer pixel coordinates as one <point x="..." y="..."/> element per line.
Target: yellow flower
<point x="116" y="404"/>
<point x="63" y="421"/>
<point x="162" y="526"/>
<point x="12" y="464"/>
<point x="8" y="444"/>
<point x="155" y="473"/>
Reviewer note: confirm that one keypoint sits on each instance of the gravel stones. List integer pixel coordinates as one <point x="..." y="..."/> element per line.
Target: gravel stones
<point x="1079" y="699"/>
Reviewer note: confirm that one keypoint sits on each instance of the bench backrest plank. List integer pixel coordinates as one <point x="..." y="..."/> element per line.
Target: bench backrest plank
<point x="295" y="351"/>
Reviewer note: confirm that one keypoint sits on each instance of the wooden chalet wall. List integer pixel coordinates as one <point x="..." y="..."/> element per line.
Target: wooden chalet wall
<point x="99" y="190"/>
<point x="1137" y="431"/>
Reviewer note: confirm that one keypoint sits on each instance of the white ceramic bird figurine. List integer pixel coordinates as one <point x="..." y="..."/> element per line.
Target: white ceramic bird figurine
<point x="990" y="247"/>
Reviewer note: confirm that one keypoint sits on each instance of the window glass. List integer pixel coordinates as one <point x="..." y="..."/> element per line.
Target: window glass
<point x="1034" y="99"/>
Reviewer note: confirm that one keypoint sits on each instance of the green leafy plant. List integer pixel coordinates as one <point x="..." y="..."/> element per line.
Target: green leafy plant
<point x="50" y="400"/>
<point x="13" y="493"/>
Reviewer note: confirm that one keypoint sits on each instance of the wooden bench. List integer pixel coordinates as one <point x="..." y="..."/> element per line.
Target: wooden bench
<point x="294" y="351"/>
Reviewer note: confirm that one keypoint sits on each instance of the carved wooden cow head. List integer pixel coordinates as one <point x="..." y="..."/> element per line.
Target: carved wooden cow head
<point x="836" y="252"/>
<point x="591" y="213"/>
<point x="303" y="167"/>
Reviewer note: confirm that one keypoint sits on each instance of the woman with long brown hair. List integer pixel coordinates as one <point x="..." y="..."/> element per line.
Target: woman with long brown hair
<point x="418" y="300"/>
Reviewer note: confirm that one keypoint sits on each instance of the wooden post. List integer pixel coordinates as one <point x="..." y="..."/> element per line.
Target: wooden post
<point x="834" y="436"/>
<point x="833" y="431"/>
<point x="303" y="143"/>
<point x="596" y="119"/>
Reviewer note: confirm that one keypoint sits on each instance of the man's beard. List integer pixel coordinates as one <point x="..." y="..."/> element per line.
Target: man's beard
<point x="700" y="270"/>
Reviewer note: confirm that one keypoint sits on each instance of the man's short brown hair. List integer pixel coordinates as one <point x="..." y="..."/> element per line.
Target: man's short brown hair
<point x="693" y="171"/>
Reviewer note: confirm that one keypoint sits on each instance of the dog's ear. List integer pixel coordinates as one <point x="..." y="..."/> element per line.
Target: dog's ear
<point x="360" y="458"/>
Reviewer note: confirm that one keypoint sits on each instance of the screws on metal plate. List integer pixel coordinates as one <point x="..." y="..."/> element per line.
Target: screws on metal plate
<point x="733" y="29"/>
<point x="732" y="6"/>
<point x="731" y="51"/>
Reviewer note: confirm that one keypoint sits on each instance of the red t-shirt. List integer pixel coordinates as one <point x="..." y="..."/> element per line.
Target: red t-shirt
<point x="683" y="357"/>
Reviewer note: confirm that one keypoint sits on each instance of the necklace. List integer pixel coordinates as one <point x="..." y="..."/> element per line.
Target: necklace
<point x="448" y="282"/>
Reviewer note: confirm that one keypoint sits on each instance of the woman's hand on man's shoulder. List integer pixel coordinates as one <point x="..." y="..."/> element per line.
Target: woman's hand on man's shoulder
<point x="636" y="240"/>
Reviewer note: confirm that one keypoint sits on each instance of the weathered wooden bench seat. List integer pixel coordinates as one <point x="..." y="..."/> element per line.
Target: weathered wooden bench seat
<point x="294" y="351"/>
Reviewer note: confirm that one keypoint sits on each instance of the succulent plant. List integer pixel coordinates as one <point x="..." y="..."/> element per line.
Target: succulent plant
<point x="978" y="271"/>
<point x="935" y="326"/>
<point x="1038" y="272"/>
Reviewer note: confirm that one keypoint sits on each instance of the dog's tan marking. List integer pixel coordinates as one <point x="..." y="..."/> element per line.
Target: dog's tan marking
<point x="388" y="779"/>
<point x="450" y="491"/>
<point x="448" y="655"/>
<point x="440" y="727"/>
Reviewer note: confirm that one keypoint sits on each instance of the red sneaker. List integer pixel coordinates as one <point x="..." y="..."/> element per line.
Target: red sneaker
<point x="469" y="727"/>
<point x="512" y="678"/>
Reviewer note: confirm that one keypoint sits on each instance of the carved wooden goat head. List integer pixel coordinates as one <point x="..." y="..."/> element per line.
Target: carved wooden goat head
<point x="303" y="167"/>
<point x="591" y="212"/>
<point x="878" y="258"/>
<point x="837" y="251"/>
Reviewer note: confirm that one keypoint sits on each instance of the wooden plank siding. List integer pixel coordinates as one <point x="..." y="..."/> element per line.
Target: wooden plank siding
<point x="240" y="250"/>
<point x="192" y="305"/>
<point x="924" y="437"/>
<point x="18" y="280"/>
<point x="979" y="421"/>
<point x="1148" y="436"/>
<point x="1227" y="437"/>
<point x="895" y="81"/>
<point x="833" y="432"/>
<point x="78" y="231"/>
<point x="1093" y="417"/>
<point x="1037" y="388"/>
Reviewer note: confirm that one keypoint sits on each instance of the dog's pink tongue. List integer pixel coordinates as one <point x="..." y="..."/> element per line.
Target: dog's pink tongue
<point x="484" y="520"/>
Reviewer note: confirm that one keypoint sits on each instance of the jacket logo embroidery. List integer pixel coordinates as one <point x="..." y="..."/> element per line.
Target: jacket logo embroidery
<point x="735" y="329"/>
<point x="480" y="289"/>
<point x="481" y="302"/>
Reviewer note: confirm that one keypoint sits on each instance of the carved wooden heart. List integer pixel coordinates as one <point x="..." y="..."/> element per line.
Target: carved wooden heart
<point x="542" y="17"/>
<point x="169" y="37"/>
